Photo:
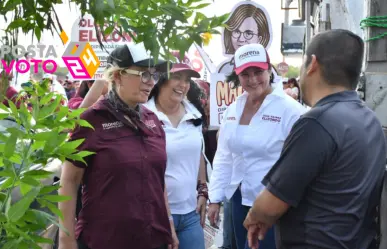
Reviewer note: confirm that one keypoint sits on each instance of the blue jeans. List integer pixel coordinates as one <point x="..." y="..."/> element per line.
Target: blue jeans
<point x="189" y="231"/>
<point x="228" y="228"/>
<point x="239" y="213"/>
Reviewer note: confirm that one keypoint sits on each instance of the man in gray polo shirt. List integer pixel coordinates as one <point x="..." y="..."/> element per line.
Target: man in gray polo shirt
<point x="324" y="189"/>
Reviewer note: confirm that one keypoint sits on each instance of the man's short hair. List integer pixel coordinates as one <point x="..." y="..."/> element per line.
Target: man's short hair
<point x="340" y="55"/>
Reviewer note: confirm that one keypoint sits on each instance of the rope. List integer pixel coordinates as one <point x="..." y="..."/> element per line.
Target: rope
<point x="375" y="22"/>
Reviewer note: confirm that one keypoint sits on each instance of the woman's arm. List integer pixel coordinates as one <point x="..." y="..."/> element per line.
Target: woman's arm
<point x="70" y="180"/>
<point x="202" y="170"/>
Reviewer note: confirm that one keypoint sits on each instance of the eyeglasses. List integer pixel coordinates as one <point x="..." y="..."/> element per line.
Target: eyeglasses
<point x="248" y="34"/>
<point x="145" y="75"/>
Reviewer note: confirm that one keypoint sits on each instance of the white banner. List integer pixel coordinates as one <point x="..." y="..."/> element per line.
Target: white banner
<point x="84" y="30"/>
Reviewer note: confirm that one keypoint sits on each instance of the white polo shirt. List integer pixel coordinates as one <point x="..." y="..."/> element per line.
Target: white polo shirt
<point x="246" y="153"/>
<point x="184" y="148"/>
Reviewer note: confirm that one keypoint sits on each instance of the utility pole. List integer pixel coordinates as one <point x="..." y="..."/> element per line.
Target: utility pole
<point x="376" y="89"/>
<point x="325" y="17"/>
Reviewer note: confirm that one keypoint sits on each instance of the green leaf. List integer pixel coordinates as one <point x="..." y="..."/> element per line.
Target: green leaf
<point x="200" y="6"/>
<point x="17" y="231"/>
<point x="38" y="173"/>
<point x="25" y="188"/>
<point x="38" y="33"/>
<point x="70" y="147"/>
<point x="39" y="239"/>
<point x="17" y="23"/>
<point x="47" y="98"/>
<point x="108" y="30"/>
<point x="30" y="181"/>
<point x="17" y="210"/>
<point x="44" y="215"/>
<point x="111" y="4"/>
<point x="3" y="116"/>
<point x="84" y="123"/>
<point x="7" y="183"/>
<point x="55" y="210"/>
<point x="7" y="173"/>
<point x="48" y="189"/>
<point x="3" y="218"/>
<point x="76" y="113"/>
<point x="173" y="11"/>
<point x="50" y="108"/>
<point x="10" y="146"/>
<point x="4" y="108"/>
<point x="13" y="108"/>
<point x="56" y="198"/>
<point x="44" y="136"/>
<point x="63" y="111"/>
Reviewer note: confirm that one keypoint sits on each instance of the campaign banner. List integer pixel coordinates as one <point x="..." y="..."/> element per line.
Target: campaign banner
<point x="223" y="94"/>
<point x="83" y="30"/>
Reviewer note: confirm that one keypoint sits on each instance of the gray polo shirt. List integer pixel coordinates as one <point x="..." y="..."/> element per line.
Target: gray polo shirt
<point x="330" y="172"/>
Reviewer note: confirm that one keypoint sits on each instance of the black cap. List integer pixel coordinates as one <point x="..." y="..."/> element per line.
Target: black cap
<point x="122" y="56"/>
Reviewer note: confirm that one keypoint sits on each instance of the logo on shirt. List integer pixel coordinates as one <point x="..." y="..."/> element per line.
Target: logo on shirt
<point x="108" y="126"/>
<point x="273" y="119"/>
<point x="231" y="118"/>
<point x="150" y="123"/>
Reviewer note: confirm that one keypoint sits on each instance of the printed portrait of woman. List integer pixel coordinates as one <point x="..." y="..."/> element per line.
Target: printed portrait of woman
<point x="248" y="23"/>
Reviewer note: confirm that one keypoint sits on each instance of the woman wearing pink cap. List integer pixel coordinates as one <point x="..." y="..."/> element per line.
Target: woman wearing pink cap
<point x="177" y="103"/>
<point x="251" y="137"/>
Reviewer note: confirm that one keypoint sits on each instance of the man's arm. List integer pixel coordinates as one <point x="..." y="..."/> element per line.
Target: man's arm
<point x="307" y="149"/>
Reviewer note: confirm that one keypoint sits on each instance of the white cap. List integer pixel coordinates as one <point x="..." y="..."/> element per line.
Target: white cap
<point x="251" y="55"/>
<point x="47" y="76"/>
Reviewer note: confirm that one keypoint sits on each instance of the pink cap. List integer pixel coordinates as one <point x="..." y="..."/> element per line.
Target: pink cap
<point x="184" y="65"/>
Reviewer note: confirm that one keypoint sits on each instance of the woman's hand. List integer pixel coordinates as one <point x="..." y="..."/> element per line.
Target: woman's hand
<point x="201" y="209"/>
<point x="175" y="240"/>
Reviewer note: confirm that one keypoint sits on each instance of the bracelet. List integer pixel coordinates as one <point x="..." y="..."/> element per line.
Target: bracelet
<point x="202" y="190"/>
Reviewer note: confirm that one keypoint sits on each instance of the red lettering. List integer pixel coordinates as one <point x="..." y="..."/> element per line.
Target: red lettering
<point x="7" y="68"/>
<point x="21" y="69"/>
<point x="83" y="37"/>
<point x="36" y="64"/>
<point x="92" y="37"/>
<point x="90" y="23"/>
<point x="82" y="23"/>
<point x="54" y="66"/>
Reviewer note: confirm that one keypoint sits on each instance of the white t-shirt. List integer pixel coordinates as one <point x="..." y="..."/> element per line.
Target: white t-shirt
<point x="184" y="148"/>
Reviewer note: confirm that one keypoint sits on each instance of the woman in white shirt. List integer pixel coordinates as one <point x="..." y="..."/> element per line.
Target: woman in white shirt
<point x="177" y="103"/>
<point x="251" y="137"/>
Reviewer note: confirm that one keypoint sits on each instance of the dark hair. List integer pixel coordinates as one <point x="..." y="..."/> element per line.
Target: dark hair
<point x="295" y="83"/>
<point x="194" y="95"/>
<point x="233" y="77"/>
<point x="83" y="88"/>
<point x="340" y="55"/>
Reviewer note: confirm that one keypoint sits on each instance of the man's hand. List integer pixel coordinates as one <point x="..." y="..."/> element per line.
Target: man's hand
<point x="201" y="209"/>
<point x="256" y="230"/>
<point x="213" y="214"/>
